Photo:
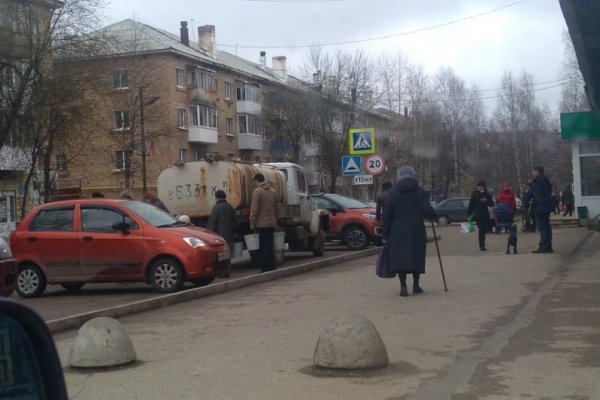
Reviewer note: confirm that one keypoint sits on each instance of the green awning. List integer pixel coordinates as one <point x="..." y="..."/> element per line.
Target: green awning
<point x="580" y="125"/>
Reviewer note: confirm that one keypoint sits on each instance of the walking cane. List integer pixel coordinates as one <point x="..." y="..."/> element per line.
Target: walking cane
<point x="439" y="256"/>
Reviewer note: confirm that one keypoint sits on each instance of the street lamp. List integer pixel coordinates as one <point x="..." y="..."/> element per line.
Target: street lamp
<point x="143" y="103"/>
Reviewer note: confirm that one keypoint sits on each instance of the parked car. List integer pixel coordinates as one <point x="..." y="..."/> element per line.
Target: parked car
<point x="452" y="210"/>
<point x="8" y="270"/>
<point x="74" y="242"/>
<point x="350" y="220"/>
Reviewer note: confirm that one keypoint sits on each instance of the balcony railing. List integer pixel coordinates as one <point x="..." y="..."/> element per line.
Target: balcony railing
<point x="248" y="107"/>
<point x="250" y="141"/>
<point x="202" y="134"/>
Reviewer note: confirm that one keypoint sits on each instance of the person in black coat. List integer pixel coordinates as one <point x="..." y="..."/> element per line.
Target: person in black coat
<point x="222" y="219"/>
<point x="404" y="230"/>
<point x="479" y="202"/>
<point x="541" y="195"/>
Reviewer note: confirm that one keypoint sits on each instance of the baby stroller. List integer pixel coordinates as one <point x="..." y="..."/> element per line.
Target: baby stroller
<point x="503" y="218"/>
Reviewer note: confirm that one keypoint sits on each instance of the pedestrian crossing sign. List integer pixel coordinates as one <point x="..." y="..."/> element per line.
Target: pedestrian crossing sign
<point x="351" y="165"/>
<point x="362" y="141"/>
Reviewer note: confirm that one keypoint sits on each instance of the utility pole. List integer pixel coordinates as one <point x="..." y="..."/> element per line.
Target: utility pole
<point x="143" y="103"/>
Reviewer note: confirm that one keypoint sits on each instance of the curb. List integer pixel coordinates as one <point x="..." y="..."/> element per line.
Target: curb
<point x="75" y="321"/>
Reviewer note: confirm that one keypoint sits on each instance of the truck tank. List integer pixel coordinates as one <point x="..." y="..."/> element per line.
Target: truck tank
<point x="190" y="189"/>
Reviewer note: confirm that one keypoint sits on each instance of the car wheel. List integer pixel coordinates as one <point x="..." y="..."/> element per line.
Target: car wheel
<point x="166" y="275"/>
<point x="319" y="244"/>
<point x="72" y="286"/>
<point x="203" y="281"/>
<point x="31" y="281"/>
<point x="443" y="220"/>
<point x="355" y="237"/>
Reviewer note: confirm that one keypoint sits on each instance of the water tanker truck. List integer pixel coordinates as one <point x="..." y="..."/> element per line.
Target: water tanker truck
<point x="189" y="189"/>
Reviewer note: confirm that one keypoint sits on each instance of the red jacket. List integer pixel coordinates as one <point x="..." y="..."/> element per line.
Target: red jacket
<point x="507" y="197"/>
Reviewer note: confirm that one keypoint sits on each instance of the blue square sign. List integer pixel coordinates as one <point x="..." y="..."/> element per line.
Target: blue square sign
<point x="362" y="141"/>
<point x="351" y="165"/>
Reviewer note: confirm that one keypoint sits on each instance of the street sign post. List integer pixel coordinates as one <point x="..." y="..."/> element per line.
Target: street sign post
<point x="363" y="180"/>
<point x="374" y="164"/>
<point x="351" y="165"/>
<point x="362" y="141"/>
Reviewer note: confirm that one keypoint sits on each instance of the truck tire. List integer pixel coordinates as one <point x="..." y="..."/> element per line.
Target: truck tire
<point x="319" y="244"/>
<point x="355" y="237"/>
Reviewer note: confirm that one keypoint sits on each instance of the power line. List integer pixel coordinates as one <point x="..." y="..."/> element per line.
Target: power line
<point x="451" y="22"/>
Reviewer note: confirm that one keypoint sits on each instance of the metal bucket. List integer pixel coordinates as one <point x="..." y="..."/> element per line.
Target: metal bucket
<point x="237" y="249"/>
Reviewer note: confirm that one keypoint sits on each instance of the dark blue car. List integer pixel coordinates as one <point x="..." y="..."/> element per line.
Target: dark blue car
<point x="453" y="209"/>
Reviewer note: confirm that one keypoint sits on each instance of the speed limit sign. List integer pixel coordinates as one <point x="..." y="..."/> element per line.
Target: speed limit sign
<point x="374" y="164"/>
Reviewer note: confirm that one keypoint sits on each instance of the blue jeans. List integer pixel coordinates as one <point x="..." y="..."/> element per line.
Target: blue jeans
<point x="543" y="227"/>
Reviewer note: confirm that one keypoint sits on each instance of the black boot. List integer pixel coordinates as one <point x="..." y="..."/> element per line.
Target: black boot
<point x="416" y="288"/>
<point x="403" y="288"/>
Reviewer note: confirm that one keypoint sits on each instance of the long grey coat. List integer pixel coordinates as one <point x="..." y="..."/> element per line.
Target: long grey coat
<point x="223" y="221"/>
<point x="404" y="228"/>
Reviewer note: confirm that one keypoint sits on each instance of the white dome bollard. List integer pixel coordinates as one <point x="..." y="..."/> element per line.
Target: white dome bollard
<point x="101" y="342"/>
<point x="350" y="342"/>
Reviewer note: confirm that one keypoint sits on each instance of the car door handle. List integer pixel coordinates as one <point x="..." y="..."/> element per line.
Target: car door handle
<point x="32" y="238"/>
<point x="87" y="238"/>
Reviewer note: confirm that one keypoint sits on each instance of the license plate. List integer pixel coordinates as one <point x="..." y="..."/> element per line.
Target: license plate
<point x="224" y="255"/>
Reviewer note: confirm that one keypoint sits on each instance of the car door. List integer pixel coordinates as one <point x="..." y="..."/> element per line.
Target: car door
<point x="326" y="204"/>
<point x="107" y="253"/>
<point x="51" y="241"/>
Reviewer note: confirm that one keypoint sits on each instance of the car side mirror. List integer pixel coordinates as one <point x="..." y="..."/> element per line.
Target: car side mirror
<point x="30" y="365"/>
<point x="123" y="227"/>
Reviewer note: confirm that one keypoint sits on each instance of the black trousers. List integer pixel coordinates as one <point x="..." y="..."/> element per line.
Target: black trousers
<point x="482" y="227"/>
<point x="267" y="252"/>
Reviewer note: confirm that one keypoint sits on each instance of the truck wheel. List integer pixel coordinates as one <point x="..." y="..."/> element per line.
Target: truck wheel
<point x="355" y="237"/>
<point x="166" y="275"/>
<point x="31" y="281"/>
<point x="319" y="244"/>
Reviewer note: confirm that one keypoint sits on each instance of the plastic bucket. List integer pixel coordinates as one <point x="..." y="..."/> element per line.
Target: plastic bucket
<point x="278" y="240"/>
<point x="252" y="242"/>
<point x="237" y="249"/>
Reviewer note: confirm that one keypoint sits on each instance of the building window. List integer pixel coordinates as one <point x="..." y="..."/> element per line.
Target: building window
<point x="120" y="80"/>
<point x="181" y="117"/>
<point x="227" y="94"/>
<point x="183" y="155"/>
<point x="120" y="159"/>
<point x="201" y="115"/>
<point x="229" y="126"/>
<point x="121" y="120"/>
<point x="61" y="162"/>
<point x="248" y="124"/>
<point x="179" y="77"/>
<point x="203" y="79"/>
<point x="247" y="92"/>
<point x="589" y="161"/>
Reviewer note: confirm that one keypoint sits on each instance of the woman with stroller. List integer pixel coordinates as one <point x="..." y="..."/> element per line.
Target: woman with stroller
<point x="507" y="196"/>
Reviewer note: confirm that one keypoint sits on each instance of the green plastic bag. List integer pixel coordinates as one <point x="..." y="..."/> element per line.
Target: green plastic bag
<point x="467" y="227"/>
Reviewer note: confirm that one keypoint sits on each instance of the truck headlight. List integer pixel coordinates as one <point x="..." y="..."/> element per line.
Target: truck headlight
<point x="370" y="217"/>
<point x="194" y="241"/>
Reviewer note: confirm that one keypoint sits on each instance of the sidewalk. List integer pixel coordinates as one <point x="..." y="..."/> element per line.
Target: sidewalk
<point x="510" y="326"/>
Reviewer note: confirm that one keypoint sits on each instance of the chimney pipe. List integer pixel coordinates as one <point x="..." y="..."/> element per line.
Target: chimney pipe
<point x="183" y="33"/>
<point x="206" y="39"/>
<point x="262" y="60"/>
<point x="279" y="67"/>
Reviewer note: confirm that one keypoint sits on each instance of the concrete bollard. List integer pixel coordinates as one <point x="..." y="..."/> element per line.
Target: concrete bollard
<point x="101" y="342"/>
<point x="350" y="342"/>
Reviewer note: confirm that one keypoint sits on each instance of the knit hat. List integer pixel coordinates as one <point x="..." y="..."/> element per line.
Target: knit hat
<point x="406" y="172"/>
<point x="481" y="183"/>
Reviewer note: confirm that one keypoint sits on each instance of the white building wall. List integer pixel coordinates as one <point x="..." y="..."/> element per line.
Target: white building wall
<point x="591" y="202"/>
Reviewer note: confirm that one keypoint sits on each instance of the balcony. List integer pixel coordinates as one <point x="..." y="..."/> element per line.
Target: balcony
<point x="13" y="159"/>
<point x="248" y="107"/>
<point x="250" y="141"/>
<point x="202" y="134"/>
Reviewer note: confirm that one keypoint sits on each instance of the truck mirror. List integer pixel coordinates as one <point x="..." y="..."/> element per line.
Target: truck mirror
<point x="30" y="365"/>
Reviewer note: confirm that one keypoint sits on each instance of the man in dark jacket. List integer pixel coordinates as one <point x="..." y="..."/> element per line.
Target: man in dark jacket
<point x="382" y="199"/>
<point x="404" y="230"/>
<point x="568" y="200"/>
<point x="222" y="219"/>
<point x="479" y="202"/>
<point x="541" y="196"/>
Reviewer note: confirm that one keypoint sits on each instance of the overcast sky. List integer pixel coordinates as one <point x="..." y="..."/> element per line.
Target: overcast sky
<point x="488" y="37"/>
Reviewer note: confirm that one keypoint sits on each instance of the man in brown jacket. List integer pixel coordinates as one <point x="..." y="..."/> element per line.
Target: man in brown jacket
<point x="264" y="215"/>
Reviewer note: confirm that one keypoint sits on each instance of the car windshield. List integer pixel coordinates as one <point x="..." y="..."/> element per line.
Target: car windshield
<point x="151" y="214"/>
<point x="347" y="202"/>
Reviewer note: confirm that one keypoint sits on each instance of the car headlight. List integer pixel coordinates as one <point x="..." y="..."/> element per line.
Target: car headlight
<point x="194" y="241"/>
<point x="4" y="250"/>
<point x="369" y="216"/>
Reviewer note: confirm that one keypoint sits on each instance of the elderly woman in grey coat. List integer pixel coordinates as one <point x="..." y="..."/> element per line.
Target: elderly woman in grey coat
<point x="404" y="229"/>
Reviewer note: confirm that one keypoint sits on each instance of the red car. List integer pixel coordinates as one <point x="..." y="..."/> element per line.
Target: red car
<point x="8" y="270"/>
<point x="350" y="220"/>
<point x="74" y="242"/>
